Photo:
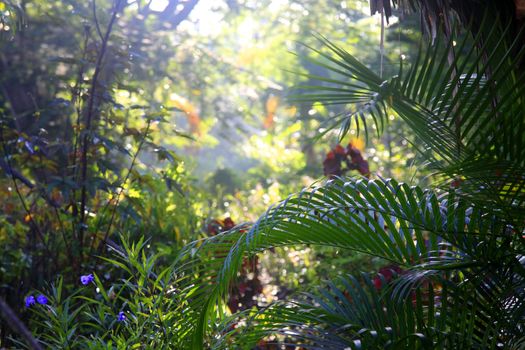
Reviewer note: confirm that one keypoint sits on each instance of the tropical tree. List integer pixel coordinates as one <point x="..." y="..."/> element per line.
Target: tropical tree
<point x="456" y="249"/>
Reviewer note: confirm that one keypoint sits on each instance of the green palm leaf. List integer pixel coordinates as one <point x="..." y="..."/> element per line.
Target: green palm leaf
<point x="463" y="98"/>
<point x="383" y="218"/>
<point x="351" y="313"/>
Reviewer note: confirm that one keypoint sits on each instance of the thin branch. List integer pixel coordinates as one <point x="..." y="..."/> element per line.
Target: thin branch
<point x="177" y="18"/>
<point x="89" y="118"/>
<point x="75" y="100"/>
<point x="97" y="25"/>
<point x="16" y="174"/>
<point x="184" y="13"/>
<point x="18" y="326"/>
<point x="382" y="40"/>
<point x="117" y="194"/>
<point x="146" y="9"/>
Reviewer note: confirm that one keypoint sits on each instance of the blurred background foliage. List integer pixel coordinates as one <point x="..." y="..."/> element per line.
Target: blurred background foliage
<point x="191" y="123"/>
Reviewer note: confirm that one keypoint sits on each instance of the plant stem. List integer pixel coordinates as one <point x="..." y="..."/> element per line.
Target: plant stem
<point x="18" y="326"/>
<point x="117" y="195"/>
<point x="89" y="118"/>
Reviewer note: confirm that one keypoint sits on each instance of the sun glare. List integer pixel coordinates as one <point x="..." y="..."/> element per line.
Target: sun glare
<point x="158" y="5"/>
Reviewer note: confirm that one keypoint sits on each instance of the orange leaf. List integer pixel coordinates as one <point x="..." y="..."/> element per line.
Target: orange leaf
<point x="271" y="107"/>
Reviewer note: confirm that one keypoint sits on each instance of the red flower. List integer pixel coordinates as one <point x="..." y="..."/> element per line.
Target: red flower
<point x="377" y="282"/>
<point x="351" y="156"/>
<point x="228" y="223"/>
<point x="339" y="150"/>
<point x="388" y="274"/>
<point x="357" y="160"/>
<point x="332" y="165"/>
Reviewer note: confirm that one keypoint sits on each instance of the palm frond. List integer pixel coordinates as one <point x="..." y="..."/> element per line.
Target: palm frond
<point x="463" y="97"/>
<point x="352" y="313"/>
<point x="432" y="234"/>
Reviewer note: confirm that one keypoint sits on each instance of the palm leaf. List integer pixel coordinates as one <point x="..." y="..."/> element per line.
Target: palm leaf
<point x="351" y="313"/>
<point x="463" y="98"/>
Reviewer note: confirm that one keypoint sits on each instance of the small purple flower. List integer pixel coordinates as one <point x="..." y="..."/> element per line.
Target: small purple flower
<point x="87" y="279"/>
<point x="41" y="299"/>
<point x="121" y="317"/>
<point x="30" y="300"/>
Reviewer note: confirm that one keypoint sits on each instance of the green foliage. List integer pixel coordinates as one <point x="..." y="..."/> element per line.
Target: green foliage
<point x="80" y="151"/>
<point x="145" y="295"/>
<point x="461" y="242"/>
<point x="453" y="239"/>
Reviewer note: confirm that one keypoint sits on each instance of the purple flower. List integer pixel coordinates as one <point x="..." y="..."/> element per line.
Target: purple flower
<point x="87" y="279"/>
<point x="121" y="317"/>
<point x="30" y="300"/>
<point x="41" y="299"/>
